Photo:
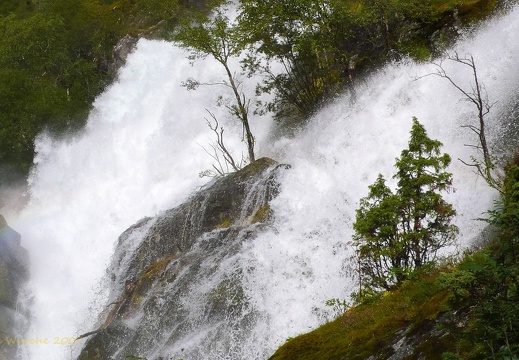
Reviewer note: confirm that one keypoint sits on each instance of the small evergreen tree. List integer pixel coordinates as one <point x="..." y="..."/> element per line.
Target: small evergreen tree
<point x="396" y="233"/>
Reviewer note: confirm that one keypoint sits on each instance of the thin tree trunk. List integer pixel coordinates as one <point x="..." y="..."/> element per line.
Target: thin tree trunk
<point x="243" y="114"/>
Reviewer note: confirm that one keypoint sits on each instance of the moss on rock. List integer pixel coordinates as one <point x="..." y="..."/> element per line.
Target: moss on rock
<point x="262" y="214"/>
<point x="225" y="224"/>
<point x="474" y="10"/>
<point x="396" y="322"/>
<point x="147" y="278"/>
<point x="227" y="295"/>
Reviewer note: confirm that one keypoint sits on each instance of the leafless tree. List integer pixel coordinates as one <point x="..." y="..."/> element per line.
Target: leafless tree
<point x="478" y="96"/>
<point x="224" y="160"/>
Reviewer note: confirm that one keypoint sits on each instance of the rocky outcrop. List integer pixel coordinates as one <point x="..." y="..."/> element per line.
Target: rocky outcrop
<point x="167" y="276"/>
<point x="14" y="272"/>
<point x="122" y="49"/>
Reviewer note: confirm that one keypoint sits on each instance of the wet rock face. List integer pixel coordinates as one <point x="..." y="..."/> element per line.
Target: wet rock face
<point x="14" y="265"/>
<point x="14" y="272"/>
<point x="122" y="49"/>
<point x="180" y="273"/>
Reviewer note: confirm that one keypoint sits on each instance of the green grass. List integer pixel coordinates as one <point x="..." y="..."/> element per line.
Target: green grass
<point x="370" y="328"/>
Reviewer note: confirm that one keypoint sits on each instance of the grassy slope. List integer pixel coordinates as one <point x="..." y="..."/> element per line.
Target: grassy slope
<point x="466" y="310"/>
<point x="370" y="329"/>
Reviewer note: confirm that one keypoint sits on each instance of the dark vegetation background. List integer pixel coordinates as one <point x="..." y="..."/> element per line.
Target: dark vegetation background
<point x="56" y="56"/>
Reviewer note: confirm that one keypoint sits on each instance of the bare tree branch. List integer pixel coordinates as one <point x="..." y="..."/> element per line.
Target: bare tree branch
<point x="478" y="96"/>
<point x="219" y="148"/>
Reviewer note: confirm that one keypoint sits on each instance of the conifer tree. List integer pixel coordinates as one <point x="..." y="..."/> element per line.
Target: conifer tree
<point x="397" y="233"/>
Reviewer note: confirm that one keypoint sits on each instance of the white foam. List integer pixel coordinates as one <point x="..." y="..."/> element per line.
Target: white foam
<point x="139" y="155"/>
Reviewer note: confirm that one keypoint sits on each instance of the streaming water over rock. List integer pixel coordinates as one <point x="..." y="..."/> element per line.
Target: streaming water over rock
<point x="185" y="276"/>
<point x="139" y="156"/>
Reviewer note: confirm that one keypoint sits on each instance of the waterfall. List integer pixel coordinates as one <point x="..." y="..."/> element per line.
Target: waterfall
<point x="140" y="154"/>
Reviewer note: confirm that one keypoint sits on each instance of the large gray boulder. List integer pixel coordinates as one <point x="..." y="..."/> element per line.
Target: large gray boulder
<point x="168" y="279"/>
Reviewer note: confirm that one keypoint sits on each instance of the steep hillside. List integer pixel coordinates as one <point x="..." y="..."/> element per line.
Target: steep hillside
<point x="462" y="309"/>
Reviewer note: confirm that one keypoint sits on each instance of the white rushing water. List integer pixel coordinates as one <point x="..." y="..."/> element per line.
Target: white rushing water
<point x="139" y="154"/>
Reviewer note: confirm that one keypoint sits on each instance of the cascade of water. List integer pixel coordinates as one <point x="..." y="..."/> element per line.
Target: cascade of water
<point x="306" y="261"/>
<point x="139" y="155"/>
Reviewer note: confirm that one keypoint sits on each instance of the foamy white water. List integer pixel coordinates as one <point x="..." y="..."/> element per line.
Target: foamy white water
<point x="139" y="154"/>
<point x="306" y="260"/>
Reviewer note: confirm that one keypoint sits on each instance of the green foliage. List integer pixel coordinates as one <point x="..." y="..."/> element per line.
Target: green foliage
<point x="398" y="233"/>
<point x="299" y="35"/>
<point x="339" y="306"/>
<point x="324" y="45"/>
<point x="55" y="55"/>
<point x="31" y="63"/>
<point x="7" y="7"/>
<point x="216" y="37"/>
<point x="55" y="58"/>
<point x="506" y="216"/>
<point x="380" y="246"/>
<point x="44" y="84"/>
<point x="486" y="283"/>
<point x="488" y="289"/>
<point x="19" y="7"/>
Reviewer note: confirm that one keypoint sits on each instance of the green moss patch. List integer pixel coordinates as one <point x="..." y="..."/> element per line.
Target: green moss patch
<point x="227" y="295"/>
<point x="371" y="329"/>
<point x="146" y="279"/>
<point x="261" y="214"/>
<point x="225" y="224"/>
<point x="474" y="10"/>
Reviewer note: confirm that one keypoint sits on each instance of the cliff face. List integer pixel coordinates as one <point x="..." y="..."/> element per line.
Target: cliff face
<point x="14" y="272"/>
<point x="179" y="273"/>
